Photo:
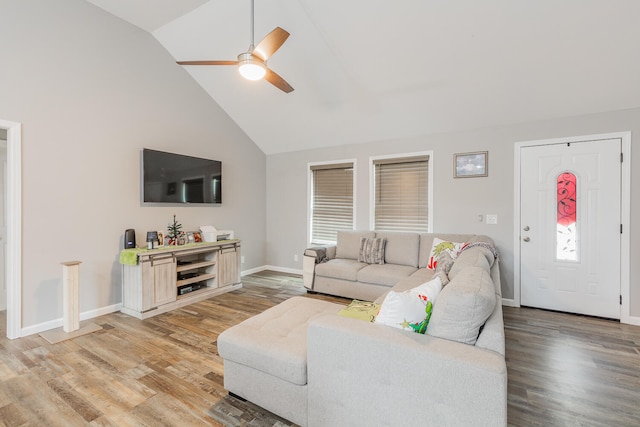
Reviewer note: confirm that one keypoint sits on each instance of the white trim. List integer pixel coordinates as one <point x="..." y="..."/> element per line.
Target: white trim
<point x="509" y="302"/>
<point x="625" y="215"/>
<point x="283" y="269"/>
<point x="13" y="270"/>
<point x="252" y="271"/>
<point x="271" y="268"/>
<point x="632" y="320"/>
<point x="310" y="191"/>
<point x="57" y="323"/>
<point x="372" y="185"/>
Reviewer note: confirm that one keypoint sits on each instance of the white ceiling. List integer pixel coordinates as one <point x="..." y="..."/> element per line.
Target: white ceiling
<point x="382" y="70"/>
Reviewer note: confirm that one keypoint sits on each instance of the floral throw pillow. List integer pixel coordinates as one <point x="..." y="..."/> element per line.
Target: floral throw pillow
<point x="410" y="310"/>
<point x="441" y="246"/>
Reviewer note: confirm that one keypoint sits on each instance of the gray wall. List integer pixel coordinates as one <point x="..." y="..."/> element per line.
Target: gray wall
<point x="91" y="91"/>
<point x="456" y="201"/>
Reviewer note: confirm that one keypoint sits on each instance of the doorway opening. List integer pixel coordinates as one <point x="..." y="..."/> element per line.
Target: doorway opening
<point x="13" y="221"/>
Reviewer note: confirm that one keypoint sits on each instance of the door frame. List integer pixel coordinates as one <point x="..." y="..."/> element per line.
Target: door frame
<point x="13" y="269"/>
<point x="625" y="215"/>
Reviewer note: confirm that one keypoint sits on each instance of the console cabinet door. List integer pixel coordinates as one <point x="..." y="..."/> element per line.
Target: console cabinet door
<point x="228" y="273"/>
<point x="159" y="281"/>
<point x="164" y="285"/>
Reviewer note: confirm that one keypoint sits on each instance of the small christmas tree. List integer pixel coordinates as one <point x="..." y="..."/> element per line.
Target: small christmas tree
<point x="173" y="231"/>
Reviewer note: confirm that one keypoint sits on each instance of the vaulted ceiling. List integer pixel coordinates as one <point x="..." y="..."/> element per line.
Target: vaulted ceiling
<point x="381" y="70"/>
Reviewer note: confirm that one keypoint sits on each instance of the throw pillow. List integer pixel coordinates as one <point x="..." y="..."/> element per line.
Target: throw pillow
<point x="440" y="246"/>
<point x="372" y="250"/>
<point x="443" y="267"/>
<point x="361" y="310"/>
<point x="410" y="310"/>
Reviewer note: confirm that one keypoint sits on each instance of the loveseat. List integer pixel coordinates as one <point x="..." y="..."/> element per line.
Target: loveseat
<point x="304" y="362"/>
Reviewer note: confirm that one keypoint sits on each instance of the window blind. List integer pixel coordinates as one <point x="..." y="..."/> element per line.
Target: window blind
<point x="332" y="201"/>
<point x="401" y="194"/>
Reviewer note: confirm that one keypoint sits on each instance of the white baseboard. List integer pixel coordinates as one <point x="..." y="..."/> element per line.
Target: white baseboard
<point x="271" y="268"/>
<point x="252" y="271"/>
<point x="509" y="302"/>
<point x="631" y="320"/>
<point x="52" y="324"/>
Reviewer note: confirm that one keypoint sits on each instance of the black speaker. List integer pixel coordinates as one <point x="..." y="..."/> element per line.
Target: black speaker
<point x="129" y="238"/>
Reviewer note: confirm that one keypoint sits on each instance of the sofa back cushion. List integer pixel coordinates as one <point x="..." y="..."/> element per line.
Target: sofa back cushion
<point x="473" y="257"/>
<point x="463" y="306"/>
<point x="401" y="248"/>
<point x="348" y="245"/>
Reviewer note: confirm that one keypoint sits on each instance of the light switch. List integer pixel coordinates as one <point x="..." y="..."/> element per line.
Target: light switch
<point x="492" y="219"/>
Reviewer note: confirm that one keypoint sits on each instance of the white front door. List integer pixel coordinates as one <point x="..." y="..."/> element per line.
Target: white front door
<point x="570" y="227"/>
<point x="3" y="224"/>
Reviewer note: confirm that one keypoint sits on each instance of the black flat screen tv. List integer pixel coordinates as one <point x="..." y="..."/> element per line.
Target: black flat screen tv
<point x="179" y="179"/>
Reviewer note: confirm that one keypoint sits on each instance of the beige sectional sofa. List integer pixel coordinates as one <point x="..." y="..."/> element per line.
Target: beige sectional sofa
<point x="307" y="364"/>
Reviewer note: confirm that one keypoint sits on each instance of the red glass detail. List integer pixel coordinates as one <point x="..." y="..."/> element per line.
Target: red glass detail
<point x="566" y="199"/>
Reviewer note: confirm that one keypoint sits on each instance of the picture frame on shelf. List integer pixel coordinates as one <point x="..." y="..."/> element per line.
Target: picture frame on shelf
<point x="197" y="237"/>
<point x="471" y="165"/>
<point x="161" y="238"/>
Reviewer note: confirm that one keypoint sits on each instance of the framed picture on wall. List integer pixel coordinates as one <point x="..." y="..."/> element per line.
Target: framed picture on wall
<point x="471" y="165"/>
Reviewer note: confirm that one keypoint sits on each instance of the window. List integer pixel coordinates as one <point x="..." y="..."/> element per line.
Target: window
<point x="566" y="228"/>
<point x="401" y="193"/>
<point x="331" y="200"/>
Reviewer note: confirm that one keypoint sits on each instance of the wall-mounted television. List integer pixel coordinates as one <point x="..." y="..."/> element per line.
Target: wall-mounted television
<point x="179" y="179"/>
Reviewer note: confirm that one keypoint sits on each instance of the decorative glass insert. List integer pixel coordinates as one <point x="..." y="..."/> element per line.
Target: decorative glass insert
<point x="566" y="235"/>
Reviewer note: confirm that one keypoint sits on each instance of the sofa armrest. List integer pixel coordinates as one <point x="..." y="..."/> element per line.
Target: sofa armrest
<point x="313" y="256"/>
<point x="361" y="373"/>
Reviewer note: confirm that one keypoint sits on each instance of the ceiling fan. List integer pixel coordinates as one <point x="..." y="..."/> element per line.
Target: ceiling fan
<point x="253" y="63"/>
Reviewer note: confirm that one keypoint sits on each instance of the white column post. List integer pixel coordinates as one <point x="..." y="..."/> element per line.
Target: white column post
<point x="70" y="296"/>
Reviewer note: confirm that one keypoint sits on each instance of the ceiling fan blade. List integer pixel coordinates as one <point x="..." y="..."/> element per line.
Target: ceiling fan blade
<point x="278" y="81"/>
<point x="207" y="62"/>
<point x="270" y="43"/>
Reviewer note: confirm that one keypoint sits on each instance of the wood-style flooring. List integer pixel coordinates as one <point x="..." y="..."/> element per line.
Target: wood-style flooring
<point x="563" y="369"/>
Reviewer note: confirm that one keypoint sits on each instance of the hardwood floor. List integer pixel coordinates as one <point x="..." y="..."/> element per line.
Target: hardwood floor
<point x="165" y="371"/>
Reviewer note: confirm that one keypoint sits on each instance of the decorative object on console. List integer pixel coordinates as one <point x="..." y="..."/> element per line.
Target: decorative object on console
<point x="129" y="238"/>
<point x="152" y="239"/>
<point x="173" y="231"/>
<point x="209" y="233"/>
<point x="470" y="165"/>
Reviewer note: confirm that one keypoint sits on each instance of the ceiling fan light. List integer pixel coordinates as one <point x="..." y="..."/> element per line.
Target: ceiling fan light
<point x="250" y="68"/>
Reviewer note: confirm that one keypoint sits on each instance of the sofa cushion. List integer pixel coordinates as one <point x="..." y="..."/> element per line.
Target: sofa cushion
<point x="348" y="245"/>
<point x="439" y="247"/>
<point x="275" y="341"/>
<point x="409" y="309"/>
<point x="386" y="274"/>
<point x="339" y="268"/>
<point x="401" y="248"/>
<point x="426" y="242"/>
<point x="371" y="250"/>
<point x="463" y="306"/>
<point x="472" y="257"/>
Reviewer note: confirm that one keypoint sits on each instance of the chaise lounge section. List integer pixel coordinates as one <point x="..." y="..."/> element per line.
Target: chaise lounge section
<point x="304" y="362"/>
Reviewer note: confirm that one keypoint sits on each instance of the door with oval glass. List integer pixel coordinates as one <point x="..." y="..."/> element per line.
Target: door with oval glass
<point x="570" y="227"/>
